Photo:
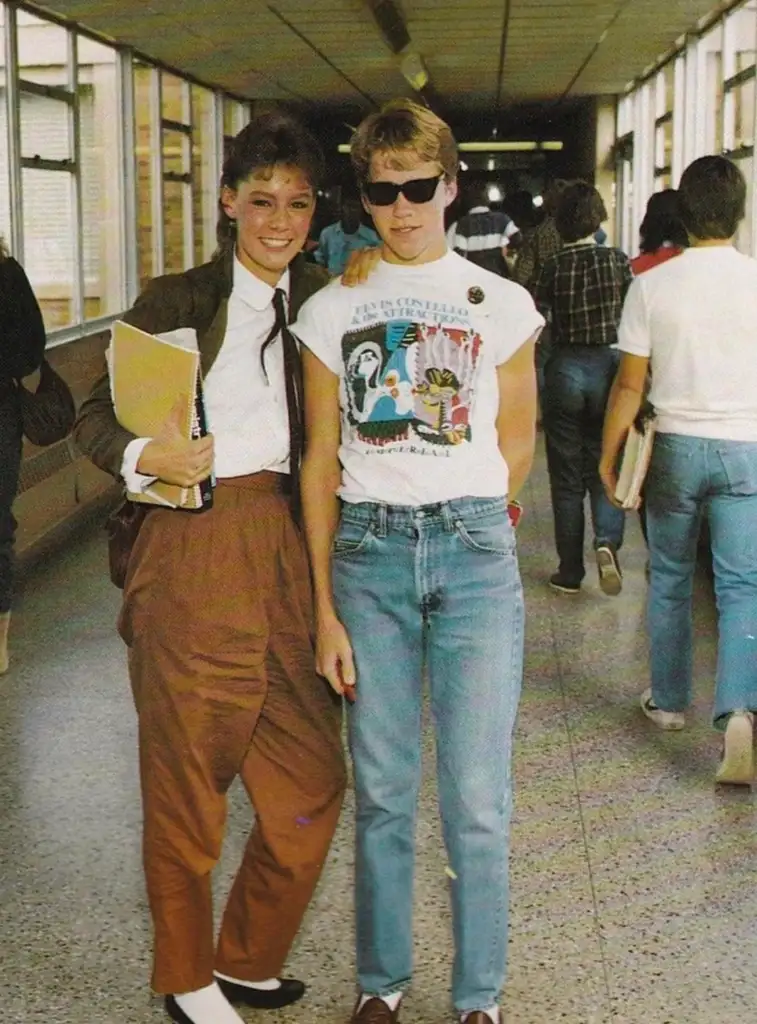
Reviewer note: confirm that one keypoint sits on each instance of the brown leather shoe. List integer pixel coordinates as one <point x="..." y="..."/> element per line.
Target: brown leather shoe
<point x="478" y="1017"/>
<point x="375" y="1011"/>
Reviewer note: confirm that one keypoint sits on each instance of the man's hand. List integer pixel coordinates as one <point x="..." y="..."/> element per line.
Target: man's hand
<point x="360" y="266"/>
<point x="609" y="477"/>
<point x="172" y="458"/>
<point x="333" y="656"/>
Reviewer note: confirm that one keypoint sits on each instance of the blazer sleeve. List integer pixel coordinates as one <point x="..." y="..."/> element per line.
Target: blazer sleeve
<point x="22" y="331"/>
<point x="163" y="306"/>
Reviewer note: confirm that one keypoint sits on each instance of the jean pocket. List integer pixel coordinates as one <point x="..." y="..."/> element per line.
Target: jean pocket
<point x="351" y="537"/>
<point x="489" y="535"/>
<point x="739" y="462"/>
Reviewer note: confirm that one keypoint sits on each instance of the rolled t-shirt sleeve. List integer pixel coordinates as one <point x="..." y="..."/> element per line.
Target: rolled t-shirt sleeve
<point x="517" y="320"/>
<point x="633" y="333"/>
<point x="318" y="326"/>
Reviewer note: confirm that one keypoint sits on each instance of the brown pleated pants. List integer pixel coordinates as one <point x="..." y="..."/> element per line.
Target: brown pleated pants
<point x="217" y="616"/>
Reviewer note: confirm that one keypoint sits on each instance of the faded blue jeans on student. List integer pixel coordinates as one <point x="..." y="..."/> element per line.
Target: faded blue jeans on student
<point x="577" y="385"/>
<point x="688" y="478"/>
<point x="441" y="581"/>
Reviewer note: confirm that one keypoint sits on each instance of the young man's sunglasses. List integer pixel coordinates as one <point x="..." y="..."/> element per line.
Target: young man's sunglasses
<point x="386" y="193"/>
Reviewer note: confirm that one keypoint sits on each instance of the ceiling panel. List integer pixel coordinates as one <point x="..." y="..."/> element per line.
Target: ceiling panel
<point x="247" y="46"/>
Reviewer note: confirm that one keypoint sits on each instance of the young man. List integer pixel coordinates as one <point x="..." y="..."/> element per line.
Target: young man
<point x="692" y="319"/>
<point x="484" y="235"/>
<point x="581" y="289"/>
<point x="217" y="608"/>
<point x="430" y="364"/>
<point x="339" y="240"/>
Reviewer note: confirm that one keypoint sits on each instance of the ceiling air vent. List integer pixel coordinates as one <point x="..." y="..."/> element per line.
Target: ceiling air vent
<point x="390" y="20"/>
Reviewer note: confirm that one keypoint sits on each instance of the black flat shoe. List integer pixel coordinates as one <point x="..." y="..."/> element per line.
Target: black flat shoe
<point x="175" y="1012"/>
<point x="287" y="993"/>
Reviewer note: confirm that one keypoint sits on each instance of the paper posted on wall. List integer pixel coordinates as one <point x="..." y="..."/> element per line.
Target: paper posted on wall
<point x="149" y="375"/>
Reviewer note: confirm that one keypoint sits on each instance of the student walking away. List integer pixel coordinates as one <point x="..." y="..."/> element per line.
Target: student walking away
<point x="693" y="321"/>
<point x="581" y="291"/>
<point x="347" y="235"/>
<point x="662" y="236"/>
<point x="483" y="235"/>
<point x="534" y="251"/>
<point x="22" y="347"/>
<point x="217" y="611"/>
<point x="429" y="367"/>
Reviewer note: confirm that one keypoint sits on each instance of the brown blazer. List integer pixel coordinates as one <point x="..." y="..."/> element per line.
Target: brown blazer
<point x="198" y="298"/>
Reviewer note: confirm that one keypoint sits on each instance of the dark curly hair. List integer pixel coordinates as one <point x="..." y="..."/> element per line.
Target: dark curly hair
<point x="268" y="141"/>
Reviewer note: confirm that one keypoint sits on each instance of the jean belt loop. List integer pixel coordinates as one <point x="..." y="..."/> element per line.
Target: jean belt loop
<point x="382" y="518"/>
<point x="448" y="517"/>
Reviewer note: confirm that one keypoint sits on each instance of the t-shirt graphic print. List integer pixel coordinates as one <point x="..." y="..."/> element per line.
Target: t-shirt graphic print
<point x="410" y="384"/>
<point x="417" y="361"/>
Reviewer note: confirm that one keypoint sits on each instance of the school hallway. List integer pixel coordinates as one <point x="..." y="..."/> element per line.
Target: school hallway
<point x="633" y="896"/>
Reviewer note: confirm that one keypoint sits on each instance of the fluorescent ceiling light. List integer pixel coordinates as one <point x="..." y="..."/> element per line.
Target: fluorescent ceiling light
<point x="523" y="146"/>
<point x="494" y="193"/>
<point x="495" y="147"/>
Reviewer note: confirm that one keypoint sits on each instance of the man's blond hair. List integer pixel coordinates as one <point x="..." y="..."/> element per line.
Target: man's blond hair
<point x="406" y="132"/>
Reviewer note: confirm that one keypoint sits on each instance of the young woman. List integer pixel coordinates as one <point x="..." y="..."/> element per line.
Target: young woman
<point x="217" y="605"/>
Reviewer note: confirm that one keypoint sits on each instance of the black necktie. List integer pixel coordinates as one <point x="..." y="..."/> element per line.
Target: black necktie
<point x="294" y="391"/>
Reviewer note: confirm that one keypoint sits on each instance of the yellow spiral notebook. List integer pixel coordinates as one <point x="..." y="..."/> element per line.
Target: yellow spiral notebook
<point x="149" y="374"/>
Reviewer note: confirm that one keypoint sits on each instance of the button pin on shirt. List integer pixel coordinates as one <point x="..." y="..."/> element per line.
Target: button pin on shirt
<point x="476" y="295"/>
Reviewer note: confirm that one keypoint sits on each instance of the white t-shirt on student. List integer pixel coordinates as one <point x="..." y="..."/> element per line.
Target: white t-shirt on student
<point x="416" y="349"/>
<point x="695" y="318"/>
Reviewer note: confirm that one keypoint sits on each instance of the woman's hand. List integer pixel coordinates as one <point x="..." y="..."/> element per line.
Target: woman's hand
<point x="360" y="266"/>
<point x="333" y="656"/>
<point x="171" y="457"/>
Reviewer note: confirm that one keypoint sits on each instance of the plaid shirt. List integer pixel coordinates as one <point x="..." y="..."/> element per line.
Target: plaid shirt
<point x="581" y="290"/>
<point x="538" y="245"/>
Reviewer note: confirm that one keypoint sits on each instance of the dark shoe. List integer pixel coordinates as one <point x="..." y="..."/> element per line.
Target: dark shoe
<point x="375" y="1011"/>
<point x="478" y="1017"/>
<point x="287" y="993"/>
<point x="608" y="567"/>
<point x="175" y="1012"/>
<point x="563" y="586"/>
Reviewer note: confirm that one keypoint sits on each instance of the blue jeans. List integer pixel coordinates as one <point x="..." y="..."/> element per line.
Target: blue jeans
<point x="435" y="586"/>
<point x="688" y="477"/>
<point x="10" y="464"/>
<point x="577" y="386"/>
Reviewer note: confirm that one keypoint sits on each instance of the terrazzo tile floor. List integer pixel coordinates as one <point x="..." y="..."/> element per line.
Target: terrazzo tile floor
<point x="633" y="878"/>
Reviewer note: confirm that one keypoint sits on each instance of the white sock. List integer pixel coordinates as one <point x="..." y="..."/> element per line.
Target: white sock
<point x="392" y="1001"/>
<point x="492" y="1013"/>
<point x="208" y="1006"/>
<point x="269" y="985"/>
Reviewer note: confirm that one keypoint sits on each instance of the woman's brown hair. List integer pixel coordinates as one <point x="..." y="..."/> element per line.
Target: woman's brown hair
<point x="271" y="140"/>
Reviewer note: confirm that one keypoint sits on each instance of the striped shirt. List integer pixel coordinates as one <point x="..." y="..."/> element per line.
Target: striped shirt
<point x="481" y="235"/>
<point x="581" y="290"/>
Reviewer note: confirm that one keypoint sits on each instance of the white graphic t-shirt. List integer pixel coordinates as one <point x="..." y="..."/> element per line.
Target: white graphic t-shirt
<point x="416" y="349"/>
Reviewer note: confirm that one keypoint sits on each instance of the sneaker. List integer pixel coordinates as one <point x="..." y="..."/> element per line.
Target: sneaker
<point x="668" y="720"/>
<point x="563" y="586"/>
<point x="737" y="761"/>
<point x="610" y="576"/>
